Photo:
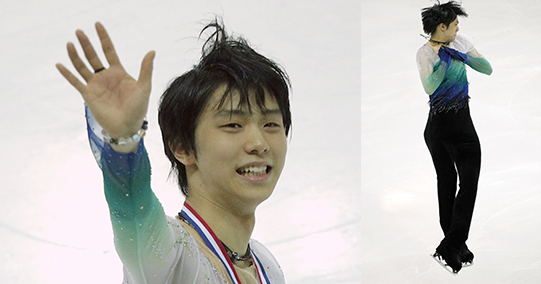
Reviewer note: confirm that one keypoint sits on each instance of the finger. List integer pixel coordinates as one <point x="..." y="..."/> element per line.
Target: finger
<point x="145" y="75"/>
<point x="70" y="77"/>
<point x="89" y="51"/>
<point x="107" y="45"/>
<point x="78" y="63"/>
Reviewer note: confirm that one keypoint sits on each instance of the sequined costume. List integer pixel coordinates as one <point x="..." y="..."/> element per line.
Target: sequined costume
<point x="444" y="79"/>
<point x="450" y="134"/>
<point x="155" y="248"/>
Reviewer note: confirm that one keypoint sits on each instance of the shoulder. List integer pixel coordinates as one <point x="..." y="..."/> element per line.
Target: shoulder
<point x="191" y="265"/>
<point x="272" y="268"/>
<point x="463" y="43"/>
<point x="426" y="54"/>
<point x="183" y="236"/>
<point x="424" y="50"/>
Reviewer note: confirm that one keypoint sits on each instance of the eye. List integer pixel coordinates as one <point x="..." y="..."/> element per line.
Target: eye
<point x="273" y="125"/>
<point x="232" y="125"/>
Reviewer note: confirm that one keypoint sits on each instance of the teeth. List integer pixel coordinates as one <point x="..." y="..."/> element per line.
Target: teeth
<point x="252" y="171"/>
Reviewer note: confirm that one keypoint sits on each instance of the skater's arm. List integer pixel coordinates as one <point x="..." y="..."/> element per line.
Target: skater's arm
<point x="431" y="74"/>
<point x="144" y="240"/>
<point x="477" y="62"/>
<point x="117" y="104"/>
<point x="474" y="59"/>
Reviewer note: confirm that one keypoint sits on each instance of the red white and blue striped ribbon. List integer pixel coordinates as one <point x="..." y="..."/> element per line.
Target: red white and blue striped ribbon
<point x="216" y="246"/>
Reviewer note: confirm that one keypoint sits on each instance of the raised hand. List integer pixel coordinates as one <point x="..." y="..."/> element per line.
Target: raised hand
<point x="118" y="102"/>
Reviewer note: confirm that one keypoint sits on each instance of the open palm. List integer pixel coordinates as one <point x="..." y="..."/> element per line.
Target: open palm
<point x="118" y="101"/>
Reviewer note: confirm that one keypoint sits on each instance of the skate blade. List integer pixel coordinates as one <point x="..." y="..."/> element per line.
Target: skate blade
<point x="440" y="260"/>
<point x="467" y="264"/>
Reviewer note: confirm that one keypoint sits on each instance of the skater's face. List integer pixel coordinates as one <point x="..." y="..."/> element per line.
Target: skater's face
<point x="240" y="151"/>
<point x="449" y="32"/>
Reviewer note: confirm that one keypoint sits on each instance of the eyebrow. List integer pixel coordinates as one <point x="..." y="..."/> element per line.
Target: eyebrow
<point x="240" y="112"/>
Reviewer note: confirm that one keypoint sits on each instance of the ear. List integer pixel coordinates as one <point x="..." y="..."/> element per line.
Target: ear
<point x="182" y="156"/>
<point x="442" y="27"/>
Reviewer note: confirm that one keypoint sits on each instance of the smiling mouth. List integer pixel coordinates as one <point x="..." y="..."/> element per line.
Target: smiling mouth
<point x="254" y="171"/>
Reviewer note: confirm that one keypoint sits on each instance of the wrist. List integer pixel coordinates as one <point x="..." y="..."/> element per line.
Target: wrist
<point x="128" y="139"/>
<point x="125" y="149"/>
<point x="126" y="143"/>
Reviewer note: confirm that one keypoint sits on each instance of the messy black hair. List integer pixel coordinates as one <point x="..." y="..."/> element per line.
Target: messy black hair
<point x="441" y="13"/>
<point x="225" y="60"/>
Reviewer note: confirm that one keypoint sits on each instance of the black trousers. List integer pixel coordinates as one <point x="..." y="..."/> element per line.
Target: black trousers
<point x="456" y="152"/>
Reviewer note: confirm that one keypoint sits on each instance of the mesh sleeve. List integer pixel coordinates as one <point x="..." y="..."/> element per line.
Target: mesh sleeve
<point x="144" y="238"/>
<point x="477" y="62"/>
<point x="431" y="74"/>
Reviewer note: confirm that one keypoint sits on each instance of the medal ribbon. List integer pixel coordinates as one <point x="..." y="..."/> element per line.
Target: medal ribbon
<point x="216" y="246"/>
<point x="263" y="279"/>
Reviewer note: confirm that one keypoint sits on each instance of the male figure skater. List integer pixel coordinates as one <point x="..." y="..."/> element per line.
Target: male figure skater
<point x="224" y="125"/>
<point x="449" y="134"/>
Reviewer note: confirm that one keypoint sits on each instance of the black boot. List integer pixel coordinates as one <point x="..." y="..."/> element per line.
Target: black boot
<point x="451" y="256"/>
<point x="466" y="256"/>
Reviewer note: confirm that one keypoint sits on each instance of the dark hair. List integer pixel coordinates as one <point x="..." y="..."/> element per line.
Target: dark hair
<point x="440" y="13"/>
<point x="225" y="60"/>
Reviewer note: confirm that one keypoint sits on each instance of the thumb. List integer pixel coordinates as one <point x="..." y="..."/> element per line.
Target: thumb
<point x="145" y="75"/>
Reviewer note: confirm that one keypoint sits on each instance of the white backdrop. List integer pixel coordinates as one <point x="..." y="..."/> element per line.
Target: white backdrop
<point x="54" y="223"/>
<point x="398" y="188"/>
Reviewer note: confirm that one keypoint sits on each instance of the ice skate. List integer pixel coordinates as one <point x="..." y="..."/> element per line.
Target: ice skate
<point x="448" y="258"/>
<point x="466" y="256"/>
<point x="439" y="259"/>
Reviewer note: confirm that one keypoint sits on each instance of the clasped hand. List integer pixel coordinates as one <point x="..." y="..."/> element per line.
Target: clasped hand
<point x="446" y="53"/>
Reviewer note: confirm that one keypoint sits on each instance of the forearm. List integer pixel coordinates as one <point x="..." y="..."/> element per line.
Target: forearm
<point x="433" y="81"/>
<point x="125" y="149"/>
<point x="143" y="238"/>
<point x="137" y="216"/>
<point x="479" y="64"/>
<point x="126" y="182"/>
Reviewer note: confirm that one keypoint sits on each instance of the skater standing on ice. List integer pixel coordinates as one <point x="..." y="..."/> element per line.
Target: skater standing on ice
<point x="224" y="126"/>
<point x="449" y="133"/>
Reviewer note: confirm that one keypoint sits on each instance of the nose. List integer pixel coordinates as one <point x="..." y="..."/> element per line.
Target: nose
<point x="256" y="144"/>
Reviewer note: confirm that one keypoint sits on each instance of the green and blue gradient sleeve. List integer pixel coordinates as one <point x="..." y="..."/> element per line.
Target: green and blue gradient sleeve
<point x="431" y="73"/>
<point x="144" y="239"/>
<point x="478" y="63"/>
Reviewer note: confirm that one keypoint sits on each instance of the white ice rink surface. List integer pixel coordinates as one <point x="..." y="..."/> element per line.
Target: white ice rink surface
<point x="398" y="182"/>
<point x="54" y="223"/>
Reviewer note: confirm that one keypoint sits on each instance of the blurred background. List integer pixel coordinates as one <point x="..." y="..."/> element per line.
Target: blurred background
<point x="54" y="223"/>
